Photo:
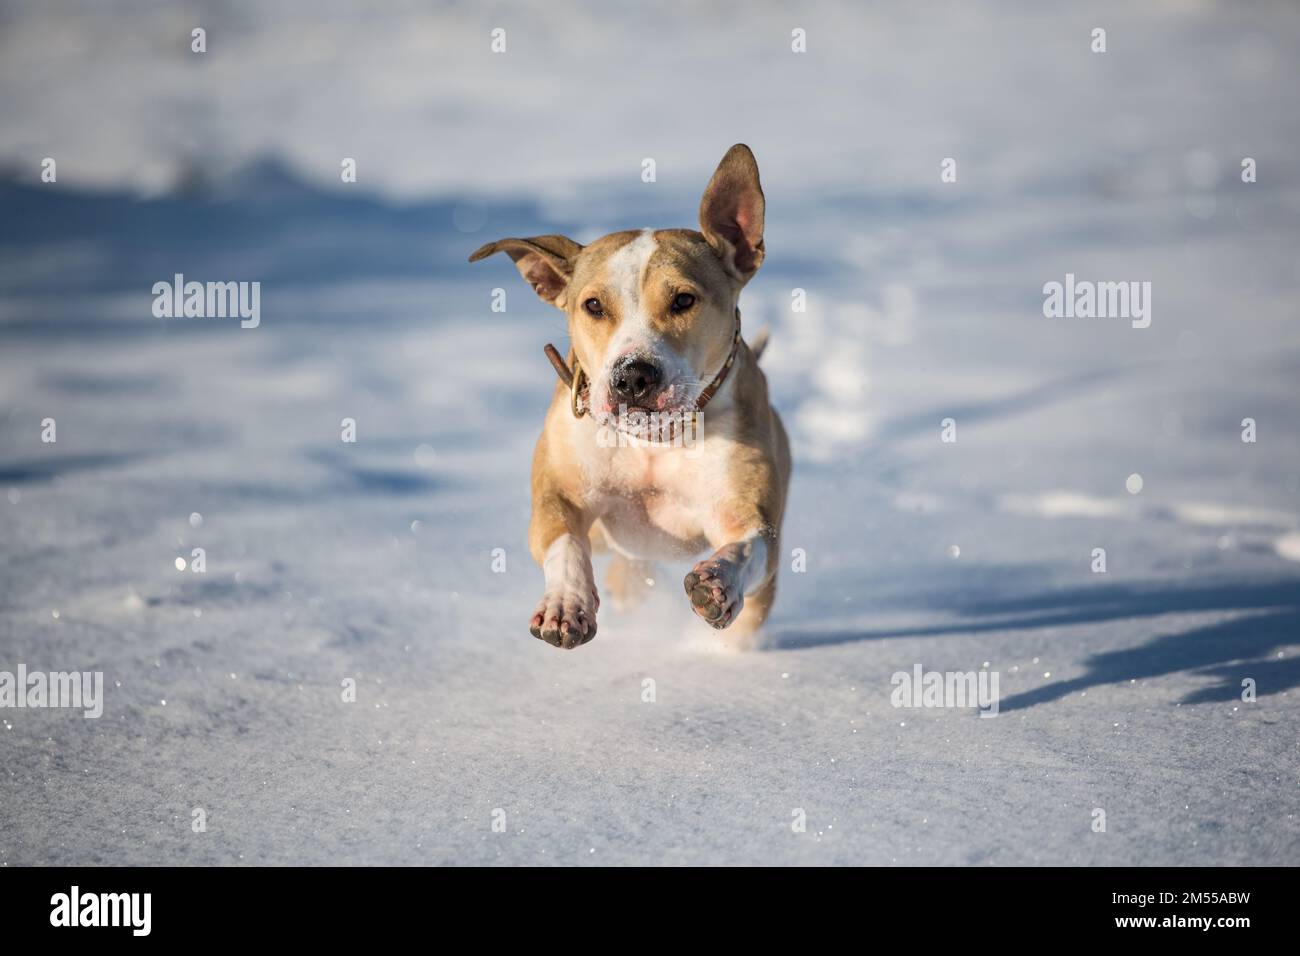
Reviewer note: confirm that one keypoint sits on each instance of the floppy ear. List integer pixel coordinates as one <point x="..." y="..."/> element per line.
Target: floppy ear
<point x="731" y="212"/>
<point x="545" y="262"/>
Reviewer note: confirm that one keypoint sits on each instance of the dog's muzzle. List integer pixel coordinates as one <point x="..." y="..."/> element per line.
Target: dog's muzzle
<point x="579" y="386"/>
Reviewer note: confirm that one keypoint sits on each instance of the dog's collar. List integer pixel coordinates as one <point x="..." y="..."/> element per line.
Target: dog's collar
<point x="576" y="379"/>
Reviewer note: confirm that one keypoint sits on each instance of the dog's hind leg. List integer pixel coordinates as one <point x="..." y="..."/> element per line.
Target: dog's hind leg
<point x="599" y="538"/>
<point x="628" y="581"/>
<point x="753" y="614"/>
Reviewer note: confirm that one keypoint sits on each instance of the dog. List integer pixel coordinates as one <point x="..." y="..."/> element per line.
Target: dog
<point x="654" y="327"/>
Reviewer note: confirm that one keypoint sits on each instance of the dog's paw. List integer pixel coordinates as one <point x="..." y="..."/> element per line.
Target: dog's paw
<point x="565" y="619"/>
<point x="715" y="591"/>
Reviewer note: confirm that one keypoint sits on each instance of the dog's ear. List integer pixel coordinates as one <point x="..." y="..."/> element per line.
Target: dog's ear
<point x="731" y="212"/>
<point x="545" y="262"/>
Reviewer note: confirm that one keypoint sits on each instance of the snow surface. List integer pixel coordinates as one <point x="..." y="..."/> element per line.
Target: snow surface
<point x="374" y="561"/>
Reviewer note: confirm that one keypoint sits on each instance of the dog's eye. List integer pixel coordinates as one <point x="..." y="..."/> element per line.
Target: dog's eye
<point x="593" y="308"/>
<point x="683" y="302"/>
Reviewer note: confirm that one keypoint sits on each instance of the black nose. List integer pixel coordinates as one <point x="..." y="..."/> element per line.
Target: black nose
<point x="634" y="380"/>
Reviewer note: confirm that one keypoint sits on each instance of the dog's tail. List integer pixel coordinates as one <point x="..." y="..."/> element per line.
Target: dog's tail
<point x="760" y="342"/>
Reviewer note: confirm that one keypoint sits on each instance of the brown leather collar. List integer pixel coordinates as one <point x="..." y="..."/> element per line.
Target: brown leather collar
<point x="575" y="379"/>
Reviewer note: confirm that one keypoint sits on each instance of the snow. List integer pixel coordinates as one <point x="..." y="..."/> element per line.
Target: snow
<point x="373" y="561"/>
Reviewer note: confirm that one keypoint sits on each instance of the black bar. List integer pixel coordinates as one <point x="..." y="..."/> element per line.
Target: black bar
<point x="927" y="905"/>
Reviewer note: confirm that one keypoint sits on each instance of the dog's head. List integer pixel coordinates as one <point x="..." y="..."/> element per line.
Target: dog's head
<point x="652" y="313"/>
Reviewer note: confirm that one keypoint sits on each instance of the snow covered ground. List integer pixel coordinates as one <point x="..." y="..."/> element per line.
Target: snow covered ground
<point x="374" y="561"/>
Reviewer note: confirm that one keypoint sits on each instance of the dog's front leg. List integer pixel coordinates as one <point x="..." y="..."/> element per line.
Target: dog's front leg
<point x="558" y="539"/>
<point x="719" y="584"/>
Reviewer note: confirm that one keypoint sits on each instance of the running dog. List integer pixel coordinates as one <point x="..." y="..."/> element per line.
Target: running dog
<point x="654" y="327"/>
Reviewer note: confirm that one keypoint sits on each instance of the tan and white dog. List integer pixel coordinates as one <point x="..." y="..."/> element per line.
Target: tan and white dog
<point x="655" y="328"/>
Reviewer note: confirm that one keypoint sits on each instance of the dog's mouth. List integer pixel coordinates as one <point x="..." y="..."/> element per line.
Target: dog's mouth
<point x="674" y="400"/>
<point x="652" y="427"/>
<point x="666" y="417"/>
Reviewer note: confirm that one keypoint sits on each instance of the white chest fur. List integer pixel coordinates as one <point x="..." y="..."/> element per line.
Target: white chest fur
<point x="653" y="502"/>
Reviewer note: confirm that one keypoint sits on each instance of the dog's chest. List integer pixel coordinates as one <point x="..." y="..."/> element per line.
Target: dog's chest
<point x="654" y="504"/>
